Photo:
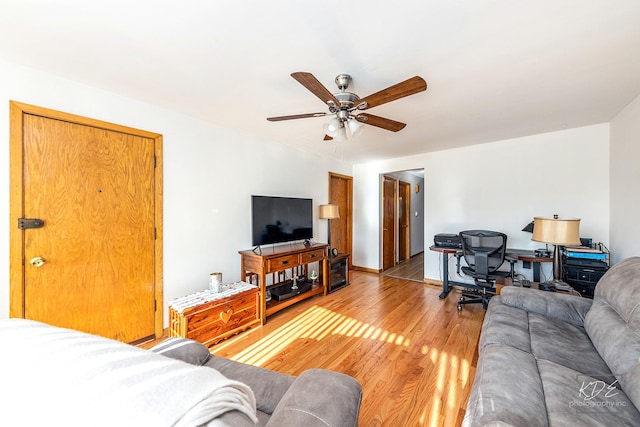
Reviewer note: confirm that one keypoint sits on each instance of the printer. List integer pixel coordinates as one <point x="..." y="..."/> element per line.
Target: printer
<point x="447" y="240"/>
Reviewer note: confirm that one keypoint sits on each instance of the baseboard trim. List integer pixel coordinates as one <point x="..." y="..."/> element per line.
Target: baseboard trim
<point x="367" y="270"/>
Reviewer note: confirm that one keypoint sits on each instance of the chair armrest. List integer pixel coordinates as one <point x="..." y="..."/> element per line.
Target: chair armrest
<point x="319" y="398"/>
<point x="568" y="308"/>
<point x="458" y="255"/>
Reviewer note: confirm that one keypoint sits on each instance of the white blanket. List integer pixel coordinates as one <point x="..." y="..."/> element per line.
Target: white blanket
<point x="54" y="376"/>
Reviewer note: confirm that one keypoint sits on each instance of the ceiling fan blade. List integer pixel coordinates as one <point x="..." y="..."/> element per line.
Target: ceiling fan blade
<point x="314" y="86"/>
<point x="408" y="87"/>
<point x="380" y="122"/>
<point x="296" y="116"/>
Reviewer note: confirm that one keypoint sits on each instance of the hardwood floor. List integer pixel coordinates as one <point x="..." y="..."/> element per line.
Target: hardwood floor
<point x="411" y="269"/>
<point x="413" y="353"/>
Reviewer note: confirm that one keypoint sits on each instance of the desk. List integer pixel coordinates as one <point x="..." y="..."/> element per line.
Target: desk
<point x="525" y="255"/>
<point x="520" y="254"/>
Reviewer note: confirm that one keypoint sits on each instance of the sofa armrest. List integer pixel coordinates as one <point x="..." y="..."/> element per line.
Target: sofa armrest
<point x="320" y="398"/>
<point x="268" y="386"/>
<point x="183" y="349"/>
<point x="567" y="308"/>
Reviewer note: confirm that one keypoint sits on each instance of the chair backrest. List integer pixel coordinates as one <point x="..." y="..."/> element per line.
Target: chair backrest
<point x="483" y="250"/>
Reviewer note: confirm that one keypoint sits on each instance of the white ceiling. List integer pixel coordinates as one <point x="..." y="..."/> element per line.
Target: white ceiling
<point x="495" y="69"/>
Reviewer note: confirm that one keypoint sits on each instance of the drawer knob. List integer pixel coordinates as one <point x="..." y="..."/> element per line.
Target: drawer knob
<point x="226" y="315"/>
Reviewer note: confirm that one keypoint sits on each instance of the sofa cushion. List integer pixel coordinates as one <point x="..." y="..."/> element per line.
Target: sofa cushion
<point x="505" y="325"/>
<point x="567" y="308"/>
<point x="565" y="344"/>
<point x="573" y="398"/>
<point x="183" y="349"/>
<point x="545" y="338"/>
<point x="507" y="390"/>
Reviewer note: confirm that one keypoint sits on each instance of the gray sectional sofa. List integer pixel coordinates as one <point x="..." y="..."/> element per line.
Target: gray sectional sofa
<point x="56" y="376"/>
<point x="547" y="359"/>
<point x="317" y="397"/>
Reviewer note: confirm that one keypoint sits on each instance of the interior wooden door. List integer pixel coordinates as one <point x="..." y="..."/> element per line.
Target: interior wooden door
<point x="388" y="222"/>
<point x="93" y="265"/>
<point x="404" y="221"/>
<point x="340" y="193"/>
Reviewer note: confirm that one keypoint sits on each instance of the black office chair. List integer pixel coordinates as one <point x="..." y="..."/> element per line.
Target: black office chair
<point x="484" y="252"/>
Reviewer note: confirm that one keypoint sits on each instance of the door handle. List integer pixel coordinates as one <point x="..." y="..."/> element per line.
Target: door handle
<point x="37" y="261"/>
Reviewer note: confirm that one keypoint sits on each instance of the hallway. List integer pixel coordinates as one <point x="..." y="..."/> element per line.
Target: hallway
<point x="411" y="269"/>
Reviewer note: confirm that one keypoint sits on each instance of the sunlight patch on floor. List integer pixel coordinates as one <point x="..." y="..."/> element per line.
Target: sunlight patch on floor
<point x="316" y="323"/>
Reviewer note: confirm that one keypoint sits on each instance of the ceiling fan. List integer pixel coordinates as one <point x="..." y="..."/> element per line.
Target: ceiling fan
<point x="347" y="106"/>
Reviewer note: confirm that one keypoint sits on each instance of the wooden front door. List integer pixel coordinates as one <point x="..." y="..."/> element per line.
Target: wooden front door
<point x="404" y="221"/>
<point x="96" y="188"/>
<point x="388" y="222"/>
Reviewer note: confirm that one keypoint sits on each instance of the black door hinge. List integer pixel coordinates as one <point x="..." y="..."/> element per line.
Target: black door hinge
<point x="24" y="223"/>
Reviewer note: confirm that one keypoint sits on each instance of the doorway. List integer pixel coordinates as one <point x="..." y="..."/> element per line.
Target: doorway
<point x="404" y="221"/>
<point x="402" y="224"/>
<point x="87" y="254"/>
<point x="389" y="217"/>
<point x="341" y="194"/>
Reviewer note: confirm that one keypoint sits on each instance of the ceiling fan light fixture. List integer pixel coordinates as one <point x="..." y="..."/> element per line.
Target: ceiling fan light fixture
<point x="342" y="105"/>
<point x="355" y="127"/>
<point x="341" y="135"/>
<point x="333" y="127"/>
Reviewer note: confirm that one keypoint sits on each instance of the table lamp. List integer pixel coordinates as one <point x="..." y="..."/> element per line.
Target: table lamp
<point x="329" y="212"/>
<point x="558" y="232"/>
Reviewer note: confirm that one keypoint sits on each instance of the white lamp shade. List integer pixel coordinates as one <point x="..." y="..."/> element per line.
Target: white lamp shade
<point x="355" y="127"/>
<point x="341" y="135"/>
<point x="329" y="212"/>
<point x="333" y="127"/>
<point x="556" y="231"/>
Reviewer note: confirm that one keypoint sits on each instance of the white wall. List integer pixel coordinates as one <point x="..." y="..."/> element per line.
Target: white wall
<point x="625" y="177"/>
<point x="209" y="175"/>
<point x="501" y="186"/>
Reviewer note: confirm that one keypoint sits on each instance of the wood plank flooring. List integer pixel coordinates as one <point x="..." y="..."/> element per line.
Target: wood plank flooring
<point x="411" y="269"/>
<point x="413" y="353"/>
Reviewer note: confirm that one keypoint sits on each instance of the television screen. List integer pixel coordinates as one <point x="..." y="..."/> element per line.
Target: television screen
<point x="280" y="219"/>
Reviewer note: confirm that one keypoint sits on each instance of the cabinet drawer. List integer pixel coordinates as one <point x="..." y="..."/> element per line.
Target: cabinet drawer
<point x="282" y="263"/>
<point x="312" y="256"/>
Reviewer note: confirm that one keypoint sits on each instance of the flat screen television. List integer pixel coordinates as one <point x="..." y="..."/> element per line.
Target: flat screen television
<point x="280" y="219"/>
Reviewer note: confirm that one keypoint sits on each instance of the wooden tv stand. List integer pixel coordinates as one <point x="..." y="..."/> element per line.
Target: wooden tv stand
<point x="260" y="262"/>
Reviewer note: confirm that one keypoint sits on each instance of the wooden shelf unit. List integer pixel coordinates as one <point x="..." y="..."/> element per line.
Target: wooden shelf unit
<point x="258" y="263"/>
